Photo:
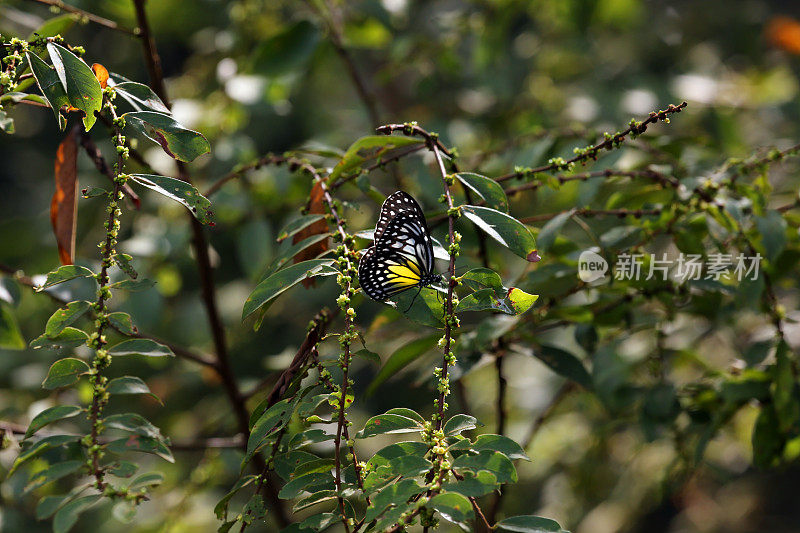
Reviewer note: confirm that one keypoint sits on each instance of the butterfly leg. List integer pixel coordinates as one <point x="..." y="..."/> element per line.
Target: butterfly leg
<point x="413" y="300"/>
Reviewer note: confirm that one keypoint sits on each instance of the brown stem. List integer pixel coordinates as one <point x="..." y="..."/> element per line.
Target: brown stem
<point x="620" y="213"/>
<point x="200" y="244"/>
<point x="609" y="143"/>
<point x="102" y="166"/>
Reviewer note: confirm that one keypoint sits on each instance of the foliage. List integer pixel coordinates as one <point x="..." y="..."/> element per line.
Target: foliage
<point x="315" y="428"/>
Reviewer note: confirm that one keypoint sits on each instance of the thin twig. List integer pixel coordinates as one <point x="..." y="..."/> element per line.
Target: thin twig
<point x="609" y="143"/>
<point x="97" y="19"/>
<point x="620" y="213"/>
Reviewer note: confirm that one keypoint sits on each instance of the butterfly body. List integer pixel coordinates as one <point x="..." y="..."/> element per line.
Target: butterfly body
<point x="402" y="254"/>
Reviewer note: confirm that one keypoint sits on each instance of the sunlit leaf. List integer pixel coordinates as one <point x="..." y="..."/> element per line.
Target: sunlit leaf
<point x="50" y="415"/>
<point x="65" y="316"/>
<point x="530" y="524"/>
<point x="178" y="142"/>
<point x="452" y="506"/>
<point x="147" y="347"/>
<point x="367" y="149"/>
<point x="505" y="229"/>
<point x="180" y="191"/>
<point x="140" y="97"/>
<point x="65" y="273"/>
<point x="285" y="279"/>
<point x="386" y="424"/>
<point x="486" y="188"/>
<point x="51" y="87"/>
<point x="79" y="82"/>
<point x="64" y="372"/>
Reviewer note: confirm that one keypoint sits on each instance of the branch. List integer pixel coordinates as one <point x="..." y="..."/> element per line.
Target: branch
<point x="591" y="152"/>
<point x="102" y="166"/>
<point x="110" y="24"/>
<point x="620" y="213"/>
<point x="335" y="32"/>
<point x="200" y="244"/>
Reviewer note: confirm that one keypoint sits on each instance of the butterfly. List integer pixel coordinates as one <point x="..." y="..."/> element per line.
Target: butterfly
<point x="402" y="254"/>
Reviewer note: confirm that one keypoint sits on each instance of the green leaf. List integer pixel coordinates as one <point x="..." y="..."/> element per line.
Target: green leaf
<point x="784" y="395"/>
<point x="320" y="521"/>
<point x="10" y="334"/>
<point x="459" y="423"/>
<point x="283" y="280"/>
<point x="372" y="357"/>
<point x="473" y="485"/>
<point x="50" y="415"/>
<point x="147" y="347"/>
<point x="296" y="486"/>
<point x="367" y="149"/>
<point x="287" y="253"/>
<point x="772" y="230"/>
<point x="317" y="466"/>
<point x="178" y="142"/>
<point x="309" y="436"/>
<point x="123" y="469"/>
<point x="408" y="413"/>
<point x="6" y="123"/>
<point x="296" y="225"/>
<point x="425" y="308"/>
<point x="150" y="479"/>
<point x="93" y="192"/>
<point x="268" y="423"/>
<point x="480" y="278"/>
<point x="394" y="494"/>
<point x="64" y="317"/>
<point x="520" y="300"/>
<point x="497" y="443"/>
<point x="388" y="423"/>
<point x="452" y="506"/>
<point x="140" y="97"/>
<point x="221" y="509"/>
<point x="64" y="372"/>
<point x="52" y="473"/>
<point x="317" y="497"/>
<point x="65" y="273"/>
<point x="123" y="261"/>
<point x="767" y="439"/>
<point x="494" y="462"/>
<point x="54" y="26"/>
<point x="547" y="235"/>
<point x="50" y="85"/>
<point x="505" y="229"/>
<point x="565" y="364"/>
<point x="180" y="191"/>
<point x="70" y="337"/>
<point x="488" y="189"/>
<point x="123" y="323"/>
<point x="139" y="443"/>
<point x="39" y="447"/>
<point x="67" y="515"/>
<point x="129" y="385"/>
<point x="78" y="80"/>
<point x="50" y="504"/>
<point x="286" y="463"/>
<point x="132" y="285"/>
<point x="132" y="423"/>
<point x="530" y="524"/>
<point x="401" y="358"/>
<point x="287" y="51"/>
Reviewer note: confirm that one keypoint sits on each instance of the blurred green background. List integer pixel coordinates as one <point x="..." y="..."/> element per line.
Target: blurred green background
<point x="506" y="82"/>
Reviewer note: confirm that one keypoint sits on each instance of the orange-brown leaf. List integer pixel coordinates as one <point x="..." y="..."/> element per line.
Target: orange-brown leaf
<point x="316" y="205"/>
<point x="101" y="74"/>
<point x="784" y="33"/>
<point x="64" y="206"/>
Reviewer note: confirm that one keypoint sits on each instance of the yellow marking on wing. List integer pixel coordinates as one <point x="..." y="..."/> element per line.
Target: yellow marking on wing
<point x="403" y="275"/>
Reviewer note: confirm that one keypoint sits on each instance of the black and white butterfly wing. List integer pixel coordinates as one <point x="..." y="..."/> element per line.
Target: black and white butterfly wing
<point x="402" y="255"/>
<point x="407" y="234"/>
<point x="396" y="203"/>
<point x="383" y="273"/>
